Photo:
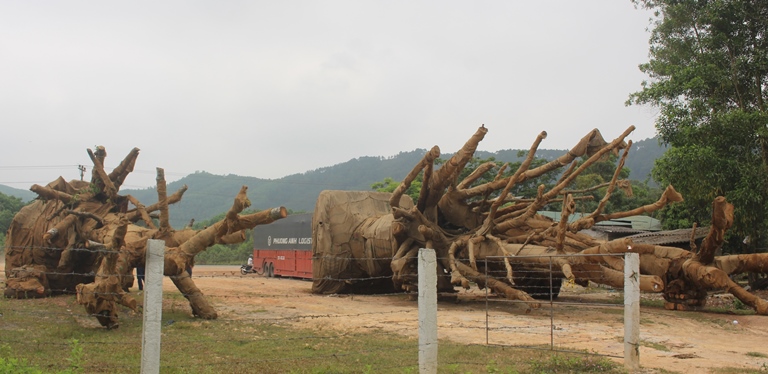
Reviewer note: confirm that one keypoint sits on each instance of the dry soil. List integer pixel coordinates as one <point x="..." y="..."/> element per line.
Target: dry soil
<point x="671" y="340"/>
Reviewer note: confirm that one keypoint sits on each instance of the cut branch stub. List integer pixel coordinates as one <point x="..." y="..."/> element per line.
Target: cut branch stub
<point x="428" y="159"/>
<point x="118" y="174"/>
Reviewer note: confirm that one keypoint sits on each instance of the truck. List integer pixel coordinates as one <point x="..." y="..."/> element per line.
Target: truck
<point x="284" y="248"/>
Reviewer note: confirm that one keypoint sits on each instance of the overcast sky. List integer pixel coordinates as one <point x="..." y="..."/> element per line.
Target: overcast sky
<point x="272" y="88"/>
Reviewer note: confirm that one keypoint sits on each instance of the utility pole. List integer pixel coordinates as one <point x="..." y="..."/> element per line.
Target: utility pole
<point x="82" y="170"/>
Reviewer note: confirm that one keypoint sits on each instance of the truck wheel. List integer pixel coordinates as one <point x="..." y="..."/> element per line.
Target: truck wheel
<point x="271" y="270"/>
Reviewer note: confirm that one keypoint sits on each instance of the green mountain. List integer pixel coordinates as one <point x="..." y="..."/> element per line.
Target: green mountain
<point x="24" y="195"/>
<point x="641" y="158"/>
<point x="209" y="195"/>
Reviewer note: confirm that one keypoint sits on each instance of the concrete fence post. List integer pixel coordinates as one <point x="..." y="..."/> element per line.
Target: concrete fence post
<point x="632" y="311"/>
<point x="427" y="311"/>
<point x="153" y="307"/>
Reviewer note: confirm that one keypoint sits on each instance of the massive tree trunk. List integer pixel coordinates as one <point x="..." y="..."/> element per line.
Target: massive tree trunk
<point x="470" y="224"/>
<point x="81" y="237"/>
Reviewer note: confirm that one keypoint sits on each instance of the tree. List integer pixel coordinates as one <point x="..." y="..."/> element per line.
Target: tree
<point x="9" y="206"/>
<point x="388" y="185"/>
<point x="483" y="236"/>
<point x="708" y="74"/>
<point x="82" y="237"/>
<point x="526" y="189"/>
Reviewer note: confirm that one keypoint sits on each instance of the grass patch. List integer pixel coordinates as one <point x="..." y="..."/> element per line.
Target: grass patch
<point x="612" y="311"/>
<point x="652" y="303"/>
<point x="559" y="363"/>
<point x="656" y="346"/>
<point x="711" y="318"/>
<point x="645" y="343"/>
<point x="729" y="310"/>
<point x="757" y="354"/>
<point x="55" y="336"/>
<point x="762" y="370"/>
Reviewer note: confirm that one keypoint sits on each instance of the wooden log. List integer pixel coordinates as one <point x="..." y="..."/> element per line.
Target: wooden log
<point x="498" y="287"/>
<point x="197" y="301"/>
<point x="428" y="159"/>
<point x="100" y="177"/>
<point x="162" y="199"/>
<point x="588" y="145"/>
<point x="50" y="194"/>
<point x="100" y="297"/>
<point x="118" y="174"/>
<point x="134" y="215"/>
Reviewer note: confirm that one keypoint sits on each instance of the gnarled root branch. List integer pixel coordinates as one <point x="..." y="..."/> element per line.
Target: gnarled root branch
<point x="497" y="286"/>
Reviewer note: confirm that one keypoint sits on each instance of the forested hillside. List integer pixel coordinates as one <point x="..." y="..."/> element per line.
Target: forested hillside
<point x="209" y="195"/>
<point x="24" y="195"/>
<point x="641" y="159"/>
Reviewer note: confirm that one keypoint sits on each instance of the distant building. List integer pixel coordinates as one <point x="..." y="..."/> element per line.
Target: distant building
<point x="674" y="238"/>
<point x="615" y="228"/>
<point x="641" y="229"/>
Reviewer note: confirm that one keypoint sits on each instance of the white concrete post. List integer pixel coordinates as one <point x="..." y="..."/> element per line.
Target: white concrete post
<point x="427" y="311"/>
<point x="632" y="311"/>
<point x="153" y="306"/>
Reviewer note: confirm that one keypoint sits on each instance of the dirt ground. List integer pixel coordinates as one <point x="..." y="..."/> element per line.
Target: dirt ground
<point x="675" y="341"/>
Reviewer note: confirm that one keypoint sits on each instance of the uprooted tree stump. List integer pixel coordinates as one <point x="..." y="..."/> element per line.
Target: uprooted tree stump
<point x="470" y="226"/>
<point x="84" y="238"/>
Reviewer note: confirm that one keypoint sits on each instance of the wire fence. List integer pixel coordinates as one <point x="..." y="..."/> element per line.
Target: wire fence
<point x="571" y="311"/>
<point x="570" y="319"/>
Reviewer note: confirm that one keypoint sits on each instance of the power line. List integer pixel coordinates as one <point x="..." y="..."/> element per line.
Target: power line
<point x="24" y="167"/>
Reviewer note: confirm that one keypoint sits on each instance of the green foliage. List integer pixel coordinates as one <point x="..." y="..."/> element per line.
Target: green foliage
<point x="12" y="365"/>
<point x="708" y="67"/>
<point x="225" y="254"/>
<point x="75" y="358"/>
<point x="17" y="366"/>
<point x="9" y="206"/>
<point x="220" y="254"/>
<point x="558" y="363"/>
<point x="389" y="185"/>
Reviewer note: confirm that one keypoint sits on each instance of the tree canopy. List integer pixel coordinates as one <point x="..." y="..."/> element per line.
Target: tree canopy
<point x="708" y="74"/>
<point x="9" y="206"/>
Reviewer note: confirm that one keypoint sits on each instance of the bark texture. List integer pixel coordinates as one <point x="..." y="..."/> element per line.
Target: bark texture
<point x="85" y="238"/>
<point x="482" y="235"/>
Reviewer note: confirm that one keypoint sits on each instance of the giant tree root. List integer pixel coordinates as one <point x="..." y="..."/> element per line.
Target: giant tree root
<point x="200" y="306"/>
<point x="497" y="286"/>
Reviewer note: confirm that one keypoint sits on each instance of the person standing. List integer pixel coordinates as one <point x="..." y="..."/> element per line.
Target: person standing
<point x="140" y="277"/>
